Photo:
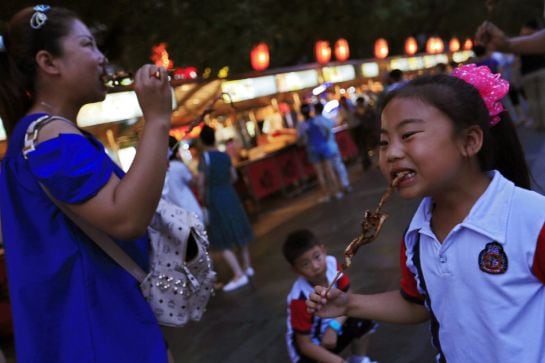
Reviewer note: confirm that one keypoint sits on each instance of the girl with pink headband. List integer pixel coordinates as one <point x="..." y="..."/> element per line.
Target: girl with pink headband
<point x="473" y="255"/>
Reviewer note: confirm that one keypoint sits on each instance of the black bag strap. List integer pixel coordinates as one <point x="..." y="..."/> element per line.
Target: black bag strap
<point x="105" y="242"/>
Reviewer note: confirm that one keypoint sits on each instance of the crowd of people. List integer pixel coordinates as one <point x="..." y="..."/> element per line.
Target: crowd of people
<point x="472" y="257"/>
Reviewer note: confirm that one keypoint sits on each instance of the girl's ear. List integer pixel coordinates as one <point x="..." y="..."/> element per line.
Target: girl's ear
<point x="46" y="62"/>
<point x="472" y="141"/>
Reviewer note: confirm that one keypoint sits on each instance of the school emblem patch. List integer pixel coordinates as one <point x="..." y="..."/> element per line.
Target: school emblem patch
<point x="493" y="259"/>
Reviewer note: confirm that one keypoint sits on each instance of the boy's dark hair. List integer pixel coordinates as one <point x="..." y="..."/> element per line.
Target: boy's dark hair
<point x="462" y="103"/>
<point x="208" y="135"/>
<point x="297" y="243"/>
<point x="17" y="62"/>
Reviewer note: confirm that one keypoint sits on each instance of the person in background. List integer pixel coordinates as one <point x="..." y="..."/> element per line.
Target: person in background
<point x="178" y="181"/>
<point x="473" y="255"/>
<point x="71" y="302"/>
<point x="310" y="338"/>
<point x="532" y="71"/>
<point x="314" y="133"/>
<point x="494" y="38"/>
<point x="531" y="41"/>
<point x="395" y="80"/>
<point x="367" y="132"/>
<point x="228" y="225"/>
<point x="336" y="159"/>
<point x="483" y="58"/>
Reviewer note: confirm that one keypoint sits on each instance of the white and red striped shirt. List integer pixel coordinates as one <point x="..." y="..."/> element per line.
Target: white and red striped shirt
<point x="299" y="320"/>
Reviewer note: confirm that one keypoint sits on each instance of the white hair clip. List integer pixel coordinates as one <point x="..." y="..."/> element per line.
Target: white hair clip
<point x="2" y="45"/>
<point x="39" y="18"/>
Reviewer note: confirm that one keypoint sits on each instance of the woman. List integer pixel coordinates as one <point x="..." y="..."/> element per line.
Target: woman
<point x="71" y="302"/>
<point x="228" y="225"/>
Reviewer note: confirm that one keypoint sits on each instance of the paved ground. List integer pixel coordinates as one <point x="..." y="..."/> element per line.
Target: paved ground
<point x="248" y="325"/>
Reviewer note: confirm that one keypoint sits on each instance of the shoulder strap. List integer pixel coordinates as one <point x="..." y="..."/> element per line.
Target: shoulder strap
<point x="31" y="135"/>
<point x="105" y="242"/>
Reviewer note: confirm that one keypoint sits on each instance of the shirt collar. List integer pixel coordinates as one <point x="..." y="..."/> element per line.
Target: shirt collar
<point x="488" y="216"/>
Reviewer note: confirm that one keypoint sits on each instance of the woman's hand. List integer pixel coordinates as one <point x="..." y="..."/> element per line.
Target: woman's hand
<point x="153" y="91"/>
<point x="330" y="306"/>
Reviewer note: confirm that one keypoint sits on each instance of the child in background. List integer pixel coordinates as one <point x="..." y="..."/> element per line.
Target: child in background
<point x="473" y="256"/>
<point x="310" y="338"/>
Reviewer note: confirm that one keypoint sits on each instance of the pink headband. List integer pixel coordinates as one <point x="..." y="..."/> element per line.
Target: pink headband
<point x="491" y="87"/>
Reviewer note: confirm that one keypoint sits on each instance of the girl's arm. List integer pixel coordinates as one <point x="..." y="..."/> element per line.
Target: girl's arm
<point x="388" y="307"/>
<point x="124" y="207"/>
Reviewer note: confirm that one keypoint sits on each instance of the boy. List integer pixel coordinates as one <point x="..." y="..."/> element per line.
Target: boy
<point x="310" y="338"/>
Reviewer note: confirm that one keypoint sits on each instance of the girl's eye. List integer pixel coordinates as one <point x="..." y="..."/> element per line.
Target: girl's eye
<point x="383" y="143"/>
<point x="406" y="135"/>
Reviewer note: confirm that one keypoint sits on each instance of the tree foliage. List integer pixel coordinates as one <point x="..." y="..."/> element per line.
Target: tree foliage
<point x="217" y="33"/>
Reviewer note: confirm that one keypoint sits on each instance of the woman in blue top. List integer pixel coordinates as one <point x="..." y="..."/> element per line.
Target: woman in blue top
<point x="71" y="302"/>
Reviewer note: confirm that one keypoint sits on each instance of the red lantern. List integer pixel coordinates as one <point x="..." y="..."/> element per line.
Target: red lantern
<point x="342" y="51"/>
<point x="259" y="57"/>
<point x="454" y="45"/>
<point x="381" y="48"/>
<point x="435" y="45"/>
<point x="468" y="44"/>
<point x="411" y="46"/>
<point x="322" y="50"/>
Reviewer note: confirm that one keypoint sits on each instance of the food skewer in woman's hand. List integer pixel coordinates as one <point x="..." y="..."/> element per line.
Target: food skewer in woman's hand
<point x="370" y="227"/>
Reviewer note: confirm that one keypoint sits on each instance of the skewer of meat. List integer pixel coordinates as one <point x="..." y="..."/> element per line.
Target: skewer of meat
<point x="370" y="227"/>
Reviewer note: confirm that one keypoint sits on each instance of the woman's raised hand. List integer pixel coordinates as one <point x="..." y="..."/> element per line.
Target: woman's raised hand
<point x="152" y="87"/>
<point x="492" y="37"/>
<point x="330" y="306"/>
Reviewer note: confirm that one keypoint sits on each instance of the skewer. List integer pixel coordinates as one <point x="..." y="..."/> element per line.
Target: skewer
<point x="371" y="225"/>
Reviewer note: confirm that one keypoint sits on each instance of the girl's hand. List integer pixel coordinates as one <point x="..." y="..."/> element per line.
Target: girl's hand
<point x="153" y="91"/>
<point x="330" y="306"/>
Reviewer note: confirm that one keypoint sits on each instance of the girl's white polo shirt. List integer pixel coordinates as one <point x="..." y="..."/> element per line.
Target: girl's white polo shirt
<point x="485" y="284"/>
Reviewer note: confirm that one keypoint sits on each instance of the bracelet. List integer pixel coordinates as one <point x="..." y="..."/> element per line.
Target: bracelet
<point x="335" y="325"/>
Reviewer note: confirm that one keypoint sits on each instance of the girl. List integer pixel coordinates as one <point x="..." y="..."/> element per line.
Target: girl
<point x="71" y="302"/>
<point x="473" y="256"/>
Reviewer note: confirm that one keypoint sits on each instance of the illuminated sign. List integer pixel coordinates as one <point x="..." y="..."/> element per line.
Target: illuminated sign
<point x="117" y="106"/>
<point x="246" y="89"/>
<point x="294" y="81"/>
<point x="339" y="73"/>
<point x="462" y="56"/>
<point x="370" y="69"/>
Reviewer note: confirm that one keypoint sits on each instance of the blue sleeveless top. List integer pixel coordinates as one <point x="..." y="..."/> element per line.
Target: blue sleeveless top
<point x="70" y="301"/>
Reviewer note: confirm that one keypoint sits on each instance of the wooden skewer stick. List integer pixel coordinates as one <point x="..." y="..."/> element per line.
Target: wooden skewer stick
<point x="370" y="227"/>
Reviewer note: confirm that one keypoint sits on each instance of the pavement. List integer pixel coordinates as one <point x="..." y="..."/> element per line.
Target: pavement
<point x="248" y="325"/>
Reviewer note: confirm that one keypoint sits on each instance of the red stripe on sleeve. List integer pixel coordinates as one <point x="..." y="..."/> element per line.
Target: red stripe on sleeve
<point x="343" y="283"/>
<point x="538" y="267"/>
<point x="300" y="318"/>
<point x="408" y="282"/>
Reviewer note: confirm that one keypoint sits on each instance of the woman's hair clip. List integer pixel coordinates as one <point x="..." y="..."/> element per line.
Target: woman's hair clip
<point x="491" y="87"/>
<point x="2" y="45"/>
<point x="39" y="18"/>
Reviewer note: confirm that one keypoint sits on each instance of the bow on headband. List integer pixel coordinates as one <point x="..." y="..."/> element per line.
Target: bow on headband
<point x="491" y="87"/>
